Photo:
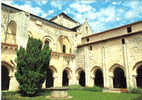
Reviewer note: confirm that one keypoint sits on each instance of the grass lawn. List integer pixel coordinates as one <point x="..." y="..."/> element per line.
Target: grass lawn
<point x="78" y="94"/>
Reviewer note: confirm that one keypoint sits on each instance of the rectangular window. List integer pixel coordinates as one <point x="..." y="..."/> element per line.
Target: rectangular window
<point x="123" y="41"/>
<point x="64" y="49"/>
<point x="129" y="29"/>
<point x="87" y="39"/>
<point x="91" y="48"/>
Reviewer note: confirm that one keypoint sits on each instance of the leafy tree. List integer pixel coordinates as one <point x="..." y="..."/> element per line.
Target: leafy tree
<point x="32" y="64"/>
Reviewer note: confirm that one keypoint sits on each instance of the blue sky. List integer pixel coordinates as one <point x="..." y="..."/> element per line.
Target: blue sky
<point x="101" y="14"/>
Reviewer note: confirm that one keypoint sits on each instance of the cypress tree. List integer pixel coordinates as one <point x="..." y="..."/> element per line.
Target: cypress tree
<point x="32" y="64"/>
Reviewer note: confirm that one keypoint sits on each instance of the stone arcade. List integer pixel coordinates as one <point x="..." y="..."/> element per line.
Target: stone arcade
<point x="111" y="59"/>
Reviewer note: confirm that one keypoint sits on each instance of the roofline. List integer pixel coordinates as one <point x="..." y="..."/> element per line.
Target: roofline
<point x="51" y="23"/>
<point x="124" y="35"/>
<point x="71" y="19"/>
<point x="112" y="29"/>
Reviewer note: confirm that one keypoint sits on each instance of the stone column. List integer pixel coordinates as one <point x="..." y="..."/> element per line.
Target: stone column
<point x="13" y="84"/>
<point x="58" y="80"/>
<point x="44" y="85"/>
<point x="88" y="80"/>
<point x="134" y="81"/>
<point x="110" y="82"/>
<point x="126" y="65"/>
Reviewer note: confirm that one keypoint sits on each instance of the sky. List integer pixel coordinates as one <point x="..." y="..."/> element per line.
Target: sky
<point x="101" y="14"/>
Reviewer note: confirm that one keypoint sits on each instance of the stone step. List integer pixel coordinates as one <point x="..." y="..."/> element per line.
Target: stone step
<point x="116" y="90"/>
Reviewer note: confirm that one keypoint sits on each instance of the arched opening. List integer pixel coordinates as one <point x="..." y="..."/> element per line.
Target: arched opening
<point x="139" y="77"/>
<point x="98" y="80"/>
<point x="49" y="79"/>
<point x="65" y="79"/>
<point x="119" y="80"/>
<point x="5" y="78"/>
<point x="64" y="44"/>
<point x="82" y="78"/>
<point x="11" y="36"/>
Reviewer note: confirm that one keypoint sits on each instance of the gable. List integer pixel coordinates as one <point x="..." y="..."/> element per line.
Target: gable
<point x="64" y="20"/>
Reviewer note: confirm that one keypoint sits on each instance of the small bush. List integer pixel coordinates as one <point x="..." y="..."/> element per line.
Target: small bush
<point x="135" y="90"/>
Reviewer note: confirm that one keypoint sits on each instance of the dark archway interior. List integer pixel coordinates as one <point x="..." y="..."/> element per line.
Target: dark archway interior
<point x="119" y="80"/>
<point x="99" y="81"/>
<point x="139" y="77"/>
<point x="5" y="78"/>
<point x="65" y="80"/>
<point x="49" y="79"/>
<point x="82" y="78"/>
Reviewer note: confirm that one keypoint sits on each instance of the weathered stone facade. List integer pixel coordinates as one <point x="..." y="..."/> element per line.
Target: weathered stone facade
<point x="76" y="51"/>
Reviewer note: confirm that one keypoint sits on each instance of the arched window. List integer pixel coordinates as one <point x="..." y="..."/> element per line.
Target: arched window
<point x="12" y="27"/>
<point x="47" y="42"/>
<point x="64" y="49"/>
<point x="11" y="32"/>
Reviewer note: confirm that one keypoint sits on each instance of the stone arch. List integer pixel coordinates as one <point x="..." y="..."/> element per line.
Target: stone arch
<point x="51" y="72"/>
<point x="69" y="72"/>
<point x="94" y="70"/>
<point x="6" y="73"/>
<point x="63" y="41"/>
<point x="81" y="76"/>
<point x="54" y="70"/>
<point x="9" y="66"/>
<point x="98" y="76"/>
<point x="115" y="66"/>
<point x="138" y="70"/>
<point x="50" y="40"/>
<point x="119" y="76"/>
<point x="137" y="65"/>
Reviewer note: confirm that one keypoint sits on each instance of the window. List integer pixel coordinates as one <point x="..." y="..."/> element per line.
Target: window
<point x="123" y="41"/>
<point x="87" y="39"/>
<point x="64" y="49"/>
<point x="70" y="50"/>
<point x="47" y="42"/>
<point x="86" y="29"/>
<point x="129" y="29"/>
<point x="90" y="47"/>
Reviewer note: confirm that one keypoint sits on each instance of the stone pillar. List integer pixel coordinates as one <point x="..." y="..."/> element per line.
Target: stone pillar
<point x="105" y="72"/>
<point x="134" y="81"/>
<point x="44" y="85"/>
<point x="126" y="65"/>
<point x="88" y="80"/>
<point x="110" y="81"/>
<point x="13" y="84"/>
<point x="58" y="80"/>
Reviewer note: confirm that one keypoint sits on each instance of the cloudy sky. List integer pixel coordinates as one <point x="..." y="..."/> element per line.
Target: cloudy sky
<point x="101" y="14"/>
